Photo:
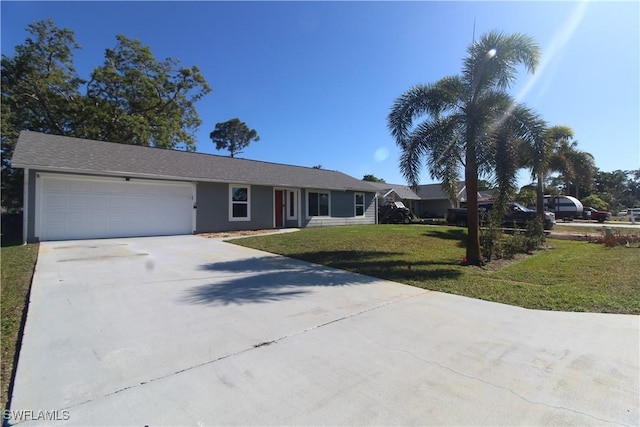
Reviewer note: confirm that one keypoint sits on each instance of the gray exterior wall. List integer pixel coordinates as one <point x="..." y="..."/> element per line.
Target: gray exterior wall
<point x="212" y="200"/>
<point x="212" y="214"/>
<point x="341" y="210"/>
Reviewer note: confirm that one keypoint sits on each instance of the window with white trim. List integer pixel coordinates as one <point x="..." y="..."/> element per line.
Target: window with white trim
<point x="239" y="203"/>
<point x="359" y="198"/>
<point x="318" y="204"/>
<point x="292" y="204"/>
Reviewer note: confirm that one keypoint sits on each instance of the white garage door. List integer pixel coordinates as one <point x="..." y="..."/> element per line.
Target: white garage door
<point x="82" y="207"/>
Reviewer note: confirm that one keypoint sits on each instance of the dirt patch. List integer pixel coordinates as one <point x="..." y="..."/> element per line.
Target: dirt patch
<point x="238" y="233"/>
<point x="499" y="264"/>
<point x="569" y="235"/>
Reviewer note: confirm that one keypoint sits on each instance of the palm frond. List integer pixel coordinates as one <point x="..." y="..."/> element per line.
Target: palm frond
<point x="506" y="164"/>
<point x="423" y="100"/>
<point x="450" y="176"/>
<point x="411" y="158"/>
<point x="406" y="108"/>
<point x="491" y="61"/>
<point x="443" y="139"/>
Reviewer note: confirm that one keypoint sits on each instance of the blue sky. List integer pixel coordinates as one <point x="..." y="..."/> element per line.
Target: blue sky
<point x="317" y="79"/>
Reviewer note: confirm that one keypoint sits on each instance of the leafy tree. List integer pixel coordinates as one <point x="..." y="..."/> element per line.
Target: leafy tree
<point x="621" y="189"/>
<point x="317" y="167"/>
<point x="233" y="135"/>
<point x="136" y="99"/>
<point x="133" y="98"/>
<point x="595" y="202"/>
<point x="633" y="185"/>
<point x="469" y="120"/>
<point x="40" y="92"/>
<point x="372" y="178"/>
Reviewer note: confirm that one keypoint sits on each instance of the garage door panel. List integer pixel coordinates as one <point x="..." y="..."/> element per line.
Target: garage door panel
<point x="77" y="186"/>
<point x="78" y="208"/>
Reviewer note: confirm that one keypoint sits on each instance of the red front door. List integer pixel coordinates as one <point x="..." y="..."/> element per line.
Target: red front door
<point x="279" y="208"/>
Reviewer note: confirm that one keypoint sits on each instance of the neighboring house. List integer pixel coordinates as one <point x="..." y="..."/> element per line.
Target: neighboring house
<point x="389" y="193"/>
<point x="428" y="201"/>
<point x="434" y="202"/>
<point x="79" y="189"/>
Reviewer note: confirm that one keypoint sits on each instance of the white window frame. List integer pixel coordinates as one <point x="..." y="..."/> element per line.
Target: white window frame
<point x="356" y="204"/>
<point x="328" y="193"/>
<point x="291" y="204"/>
<point x="232" y="202"/>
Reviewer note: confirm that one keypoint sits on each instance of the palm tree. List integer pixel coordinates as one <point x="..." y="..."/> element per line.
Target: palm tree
<point x="469" y="120"/>
<point x="537" y="157"/>
<point x="575" y="166"/>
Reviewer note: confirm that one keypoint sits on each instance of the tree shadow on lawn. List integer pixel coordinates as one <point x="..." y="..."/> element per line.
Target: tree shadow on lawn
<point x="275" y="278"/>
<point x="458" y="234"/>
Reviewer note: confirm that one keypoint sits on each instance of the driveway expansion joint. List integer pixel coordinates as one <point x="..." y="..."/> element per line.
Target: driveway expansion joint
<point x="254" y="347"/>
<point x="471" y="377"/>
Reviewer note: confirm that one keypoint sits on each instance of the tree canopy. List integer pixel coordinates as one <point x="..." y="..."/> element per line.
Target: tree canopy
<point x="137" y="99"/>
<point x="620" y="189"/>
<point x="233" y="135"/>
<point x="132" y="98"/>
<point x="372" y="178"/>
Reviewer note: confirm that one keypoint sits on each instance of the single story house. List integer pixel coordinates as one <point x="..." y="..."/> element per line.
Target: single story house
<point x="389" y="193"/>
<point x="433" y="201"/>
<point x="81" y="189"/>
<point x="426" y="201"/>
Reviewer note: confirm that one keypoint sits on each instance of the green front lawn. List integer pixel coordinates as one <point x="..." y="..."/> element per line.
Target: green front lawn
<point x="17" y="268"/>
<point x="568" y="276"/>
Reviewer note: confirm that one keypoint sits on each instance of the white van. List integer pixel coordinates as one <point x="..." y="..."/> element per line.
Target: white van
<point x="565" y="207"/>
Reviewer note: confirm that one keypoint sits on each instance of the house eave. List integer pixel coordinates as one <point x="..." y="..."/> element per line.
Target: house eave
<point x="176" y="178"/>
<point x="118" y="174"/>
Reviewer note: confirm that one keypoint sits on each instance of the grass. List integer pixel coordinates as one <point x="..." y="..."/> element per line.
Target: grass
<point x="594" y="229"/>
<point x="567" y="276"/>
<point x="18" y="262"/>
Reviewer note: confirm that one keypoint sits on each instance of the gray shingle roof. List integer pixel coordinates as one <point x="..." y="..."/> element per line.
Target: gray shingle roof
<point x="433" y="192"/>
<point x="60" y="153"/>
<point x="402" y="191"/>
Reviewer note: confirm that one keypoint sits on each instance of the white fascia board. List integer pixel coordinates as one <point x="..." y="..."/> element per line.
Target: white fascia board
<point x="25" y="205"/>
<point x="132" y="175"/>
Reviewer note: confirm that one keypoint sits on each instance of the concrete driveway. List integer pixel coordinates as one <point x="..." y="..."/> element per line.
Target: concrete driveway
<point x="185" y="330"/>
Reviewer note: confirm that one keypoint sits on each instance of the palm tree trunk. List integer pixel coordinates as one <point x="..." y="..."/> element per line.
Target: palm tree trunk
<point x="540" y="197"/>
<point x="474" y="256"/>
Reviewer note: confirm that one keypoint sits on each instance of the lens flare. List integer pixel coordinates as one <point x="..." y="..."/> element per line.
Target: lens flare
<point x="560" y="39"/>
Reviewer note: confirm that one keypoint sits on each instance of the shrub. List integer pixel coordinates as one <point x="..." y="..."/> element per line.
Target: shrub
<point x="595" y="202"/>
<point x="612" y="238"/>
<point x="498" y="245"/>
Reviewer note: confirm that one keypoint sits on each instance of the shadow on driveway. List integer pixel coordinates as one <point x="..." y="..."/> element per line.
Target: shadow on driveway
<point x="275" y="278"/>
<point x="267" y="279"/>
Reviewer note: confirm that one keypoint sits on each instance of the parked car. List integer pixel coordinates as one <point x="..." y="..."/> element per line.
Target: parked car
<point x="516" y="215"/>
<point x="623" y="212"/>
<point x="591" y="213"/>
